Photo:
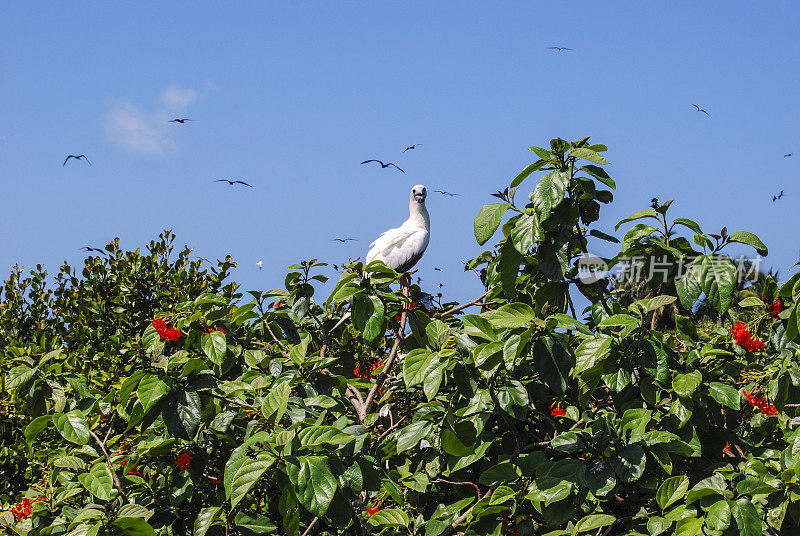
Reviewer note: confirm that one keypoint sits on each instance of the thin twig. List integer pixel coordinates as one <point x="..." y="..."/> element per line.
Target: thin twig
<point x="310" y="526"/>
<point x="232" y="401"/>
<point x="101" y="444"/>
<point x="464" y="305"/>
<point x="456" y="483"/>
<point x="276" y="339"/>
<point x="389" y="362"/>
<point x="463" y="517"/>
<point x="391" y="429"/>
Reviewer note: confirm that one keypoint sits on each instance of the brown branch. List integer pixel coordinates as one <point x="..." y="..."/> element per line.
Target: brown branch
<point x="449" y="531"/>
<point x="456" y="483"/>
<point x="232" y="401"/>
<point x="362" y="414"/>
<point x="464" y="305"/>
<point x="101" y="444"/>
<point x="311" y="526"/>
<point x="391" y="429"/>
<point x="276" y="339"/>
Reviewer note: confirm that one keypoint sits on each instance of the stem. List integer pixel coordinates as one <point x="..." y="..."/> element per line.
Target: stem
<point x="310" y="526"/>
<point x="464" y="306"/>
<point x="463" y="517"/>
<point x="101" y="444"/>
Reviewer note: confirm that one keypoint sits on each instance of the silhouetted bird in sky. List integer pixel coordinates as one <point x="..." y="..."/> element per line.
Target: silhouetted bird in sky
<point x="342" y="240"/>
<point x="382" y="164"/>
<point x="700" y="109"/>
<point x="451" y="194"/>
<point x="89" y="248"/>
<point x="558" y="48"/>
<point x="776" y="197"/>
<point x="76" y="157"/>
<point x="411" y="147"/>
<point x="787" y="155"/>
<point x="180" y="120"/>
<point x="230" y="182"/>
<point x="438" y="269"/>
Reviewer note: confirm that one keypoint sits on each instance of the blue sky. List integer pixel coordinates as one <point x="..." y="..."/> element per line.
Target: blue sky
<point x="290" y="97"/>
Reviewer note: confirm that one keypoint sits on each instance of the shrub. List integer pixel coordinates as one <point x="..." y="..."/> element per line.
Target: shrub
<point x="145" y="397"/>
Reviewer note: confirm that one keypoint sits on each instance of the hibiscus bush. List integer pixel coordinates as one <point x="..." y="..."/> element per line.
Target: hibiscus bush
<point x="146" y="395"/>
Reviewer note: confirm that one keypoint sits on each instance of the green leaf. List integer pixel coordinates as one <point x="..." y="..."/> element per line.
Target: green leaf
<point x="671" y="490"/>
<point x="588" y="154"/>
<point x="743" y="237"/>
<point x="344" y="289"/>
<point x="549" y="192"/>
<point x="254" y="524"/>
<point x="182" y="413"/>
<point x="544" y="154"/>
<point x="619" y="320"/>
<point x="36" y="426"/>
<point x="718" y="516"/>
<point x="313" y="482"/>
<point x="214" y="346"/>
<point x="724" y="394"/>
<point x="657" y="524"/>
<point x="409" y="436"/>
<point x="718" y="281"/>
<point x="553" y="362"/>
<point x="208" y="516"/>
<point x="368" y="317"/>
<point x="274" y="405"/>
<point x="416" y="364"/>
<point x="686" y="384"/>
<point x="648" y="213"/>
<point x="320" y="435"/>
<point x="134" y="526"/>
<point x="713" y="485"/>
<point x="502" y="494"/>
<point x="511" y="315"/>
<point x="135" y="510"/>
<point x="689" y="526"/>
<point x="488" y="219"/>
<point x="150" y="391"/>
<point x="72" y="426"/>
<point x="484" y="351"/>
<point x="636" y="420"/>
<point x="526" y="232"/>
<point x="629" y="463"/>
<point x="299" y="351"/>
<point x="593" y="521"/>
<point x="391" y="517"/>
<point x="659" y="301"/>
<point x="746" y="516"/>
<point x="508" y="267"/>
<point x="245" y="467"/>
<point x="689" y="286"/>
<point x="600" y="174"/>
<point x="19" y="376"/>
<point x="691" y="224"/>
<point x="751" y="301"/>
<point x="590" y="352"/>
<point x="636" y="233"/>
<point x="539" y="164"/>
<point x="98" y="481"/>
<point x="603" y="236"/>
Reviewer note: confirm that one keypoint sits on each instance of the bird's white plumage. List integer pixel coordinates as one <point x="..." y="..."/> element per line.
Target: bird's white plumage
<point x="402" y="247"/>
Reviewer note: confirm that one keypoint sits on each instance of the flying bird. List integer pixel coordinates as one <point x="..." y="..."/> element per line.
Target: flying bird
<point x="438" y="269"/>
<point x="233" y="182"/>
<point x="787" y="155"/>
<point x="412" y="147"/>
<point x="89" y="248"/>
<point x="384" y="166"/>
<point x="343" y="240"/>
<point x="558" y="48"/>
<point x="181" y="121"/>
<point x="451" y="194"/>
<point x="260" y="264"/>
<point x="402" y="247"/>
<point x="76" y="157"/>
<point x="700" y="109"/>
<point x="776" y="197"/>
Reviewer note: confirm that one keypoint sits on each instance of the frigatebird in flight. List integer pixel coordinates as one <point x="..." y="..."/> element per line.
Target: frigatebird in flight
<point x="76" y="157"/>
<point x="384" y="166"/>
<point x="558" y="48"/>
<point x="89" y="248"/>
<point x="700" y="109"/>
<point x="776" y="197"/>
<point x="181" y="121"/>
<point x="451" y="194"/>
<point x="411" y="147"/>
<point x="787" y="155"/>
<point x="230" y="182"/>
<point x="343" y="240"/>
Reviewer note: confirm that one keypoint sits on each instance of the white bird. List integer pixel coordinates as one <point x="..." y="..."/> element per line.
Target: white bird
<point x="401" y="248"/>
<point x="260" y="264"/>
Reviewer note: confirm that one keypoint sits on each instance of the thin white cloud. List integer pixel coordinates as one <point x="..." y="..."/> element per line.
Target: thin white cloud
<point x="148" y="132"/>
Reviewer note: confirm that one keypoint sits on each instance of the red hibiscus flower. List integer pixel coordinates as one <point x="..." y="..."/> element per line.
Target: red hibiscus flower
<point x="166" y="332"/>
<point x="184" y="461"/>
<point x="761" y="403"/>
<point x="22" y="510"/>
<point x="745" y="339"/>
<point x="372" y="511"/>
<point x="775" y="308"/>
<point x="556" y="410"/>
<point x="132" y="471"/>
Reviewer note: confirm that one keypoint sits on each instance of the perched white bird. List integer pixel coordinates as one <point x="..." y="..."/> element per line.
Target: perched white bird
<point x="402" y="247"/>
